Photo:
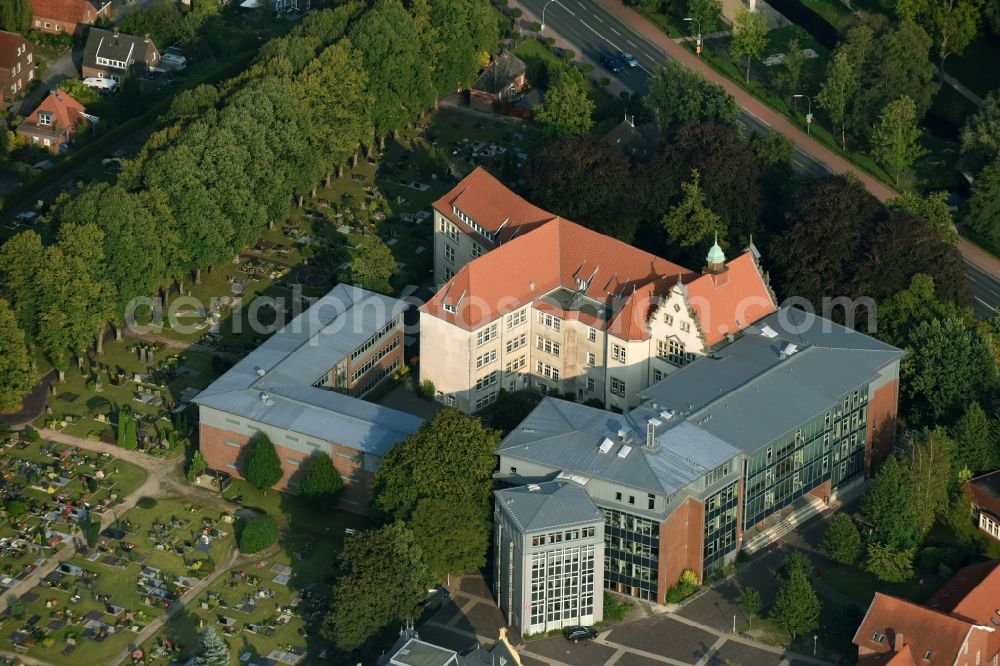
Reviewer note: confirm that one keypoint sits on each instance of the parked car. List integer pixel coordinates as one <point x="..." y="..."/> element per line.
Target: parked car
<point x="102" y="85"/>
<point x="630" y="59"/>
<point x="611" y="63"/>
<point x="578" y="633"/>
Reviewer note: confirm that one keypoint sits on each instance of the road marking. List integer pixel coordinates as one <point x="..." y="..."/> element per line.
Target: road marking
<point x="616" y="32"/>
<point x="985" y="303"/>
<point x="598" y="18"/>
<point x="632" y="43"/>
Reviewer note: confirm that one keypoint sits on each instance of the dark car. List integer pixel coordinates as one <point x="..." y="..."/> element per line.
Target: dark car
<point x="578" y="633"/>
<point x="612" y="63"/>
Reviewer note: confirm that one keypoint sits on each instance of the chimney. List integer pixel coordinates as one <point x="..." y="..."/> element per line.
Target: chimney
<point x="899" y="642"/>
<point x="115" y="34"/>
<point x="146" y="37"/>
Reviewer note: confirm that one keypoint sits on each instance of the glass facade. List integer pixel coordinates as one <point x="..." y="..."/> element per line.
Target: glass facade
<point x="720" y="526"/>
<point x="562" y="586"/>
<point x="631" y="549"/>
<point x="829" y="447"/>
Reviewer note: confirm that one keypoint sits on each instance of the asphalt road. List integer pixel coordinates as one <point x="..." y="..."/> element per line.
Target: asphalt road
<point x="593" y="31"/>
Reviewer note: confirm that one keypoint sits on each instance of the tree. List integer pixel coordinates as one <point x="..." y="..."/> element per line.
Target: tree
<point x="466" y="32"/>
<point x="975" y="442"/>
<point x="928" y="474"/>
<point x="566" y="111"/>
<point x="373" y="266"/>
<point x="321" y="482"/>
<point x="368" y="595"/>
<point x="751" y="603"/>
<point x="902" y="69"/>
<point x="796" y="562"/>
<point x="931" y="208"/>
<point x="984" y="204"/>
<point x="948" y="363"/>
<point x="749" y="36"/>
<point x="888" y="563"/>
<point x="796" y="608"/>
<point x="842" y="541"/>
<point x="15" y="16"/>
<point x="795" y="60"/>
<point x="954" y="25"/>
<point x="843" y="79"/>
<point x="261" y="463"/>
<point x="212" y="649"/>
<point x="17" y="376"/>
<point x="705" y="13"/>
<point x="587" y="180"/>
<point x="887" y="507"/>
<point x="258" y="533"/>
<point x="691" y="221"/>
<point x="981" y="133"/>
<point x="90" y="525"/>
<point x="20" y="258"/>
<point x="899" y="314"/>
<point x="127" y="430"/>
<point x="450" y="457"/>
<point x="678" y="95"/>
<point x="161" y="19"/>
<point x="896" y="139"/>
<point x="197" y="467"/>
<point x="453" y="537"/>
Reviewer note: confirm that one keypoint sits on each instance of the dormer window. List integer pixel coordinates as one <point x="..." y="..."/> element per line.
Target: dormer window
<point x="44" y="118"/>
<point x="928" y="655"/>
<point x="450" y="308"/>
<point x="878" y="638"/>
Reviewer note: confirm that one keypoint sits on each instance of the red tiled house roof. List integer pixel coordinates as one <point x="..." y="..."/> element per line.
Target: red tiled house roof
<point x="498" y="211"/>
<point x="68" y="11"/>
<point x="66" y="115"/>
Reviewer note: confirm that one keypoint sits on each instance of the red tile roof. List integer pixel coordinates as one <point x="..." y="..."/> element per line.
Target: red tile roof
<point x="974" y="594"/>
<point x="557" y="252"/>
<point x="65" y="110"/>
<point x="490" y="204"/>
<point x="732" y="300"/>
<point x="9" y="43"/>
<point x="922" y="628"/>
<point x="69" y="11"/>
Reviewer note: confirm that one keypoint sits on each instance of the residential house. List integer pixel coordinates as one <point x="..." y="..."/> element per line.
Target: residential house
<point x="539" y="302"/>
<point x="68" y="16"/>
<point x="302" y="388"/>
<point x="637" y="142"/>
<point x="789" y="414"/>
<point x="985" y="492"/>
<point x="958" y="626"/>
<point x="110" y="54"/>
<point x="17" y="65"/>
<point x="499" y="83"/>
<point x="410" y="650"/>
<point x="54" y="122"/>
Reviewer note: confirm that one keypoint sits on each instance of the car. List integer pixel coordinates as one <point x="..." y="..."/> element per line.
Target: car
<point x="578" y="633"/>
<point x="611" y="63"/>
<point x="101" y="85"/>
<point x="630" y="59"/>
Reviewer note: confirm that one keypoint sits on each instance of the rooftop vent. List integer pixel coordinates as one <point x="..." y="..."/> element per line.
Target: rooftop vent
<point x="768" y="332"/>
<point x="623" y="434"/>
<point x="625" y="450"/>
<point x="261" y="372"/>
<point x="606" y="445"/>
<point x="266" y="399"/>
<point x="534" y="487"/>
<point x="666" y="414"/>
<point x="789" y="349"/>
<point x="651" y="426"/>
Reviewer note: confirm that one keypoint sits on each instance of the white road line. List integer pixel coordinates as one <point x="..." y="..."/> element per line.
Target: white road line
<point x="616" y="32"/>
<point x="985" y="303"/>
<point x="598" y="18"/>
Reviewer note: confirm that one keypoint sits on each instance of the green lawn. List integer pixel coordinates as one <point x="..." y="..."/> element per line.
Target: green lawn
<point x="295" y="514"/>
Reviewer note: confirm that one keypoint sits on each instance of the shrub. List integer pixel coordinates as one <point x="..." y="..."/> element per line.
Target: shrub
<point x="146" y="503"/>
<point x="614" y="609"/>
<point x="568" y="54"/>
<point x="796" y="561"/>
<point x="15" y="508"/>
<point x="516" y="14"/>
<point x="321" y="483"/>
<point x="686" y="585"/>
<point x="427" y="390"/>
<point x="197" y="467"/>
<point x="535" y="26"/>
<point x="31" y="435"/>
<point x="258" y="533"/>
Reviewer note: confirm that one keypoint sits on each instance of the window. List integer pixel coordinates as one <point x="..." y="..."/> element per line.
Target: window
<point x="233" y="442"/>
<point x="592" y="334"/>
<point x="650" y="501"/>
<point x="631" y="499"/>
<point x="672" y="351"/>
<point x="486" y="400"/>
<point x="657" y="375"/>
<point x="448" y="273"/>
<point x="618" y="496"/>
<point x="484" y="335"/>
<point x="928" y="655"/>
<point x="448" y="307"/>
<point x="545" y="319"/>
<point x="449" y="229"/>
<point x="515" y="319"/>
<point x="716" y="474"/>
<point x="486" y="359"/>
<point x="44" y="118"/>
<point x="618" y="353"/>
<point x="668" y="319"/>
<point x="591" y="359"/>
<point x="878" y="638"/>
<point x="477" y="250"/>
<point x="547" y="370"/>
<point x="38" y="23"/>
<point x="486" y="380"/>
<point x="591" y="384"/>
<point x="449" y="253"/>
<point x="47" y="26"/>
<point x="548" y="346"/>
<point x="686" y="326"/>
<point x="617" y="386"/>
<point x="517" y="363"/>
<point x="517" y="342"/>
<point x="374" y="340"/>
<point x="374" y="359"/>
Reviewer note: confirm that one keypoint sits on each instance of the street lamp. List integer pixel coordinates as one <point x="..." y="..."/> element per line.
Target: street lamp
<point x="697" y="48"/>
<point x="815" y="637"/>
<point x="542" y="29"/>
<point x="809" y="114"/>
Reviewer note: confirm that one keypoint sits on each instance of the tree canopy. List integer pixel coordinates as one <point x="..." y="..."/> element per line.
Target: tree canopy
<point x="15" y="16"/>
<point x="887" y="506"/>
<point x="321" y="482"/>
<point x="212" y="649"/>
<point x="842" y="541"/>
<point x="678" y="95"/>
<point x="261" y="463"/>
<point x="453" y="537"/>
<point x="17" y="374"/>
<point x="565" y="111"/>
<point x="796" y="608"/>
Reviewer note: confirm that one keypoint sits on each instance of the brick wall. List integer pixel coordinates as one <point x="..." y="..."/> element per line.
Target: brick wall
<point x="881" y="423"/>
<point x="682" y="537"/>
<point x="223" y="456"/>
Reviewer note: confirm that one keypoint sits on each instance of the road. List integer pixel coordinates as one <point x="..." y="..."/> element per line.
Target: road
<point x="594" y="28"/>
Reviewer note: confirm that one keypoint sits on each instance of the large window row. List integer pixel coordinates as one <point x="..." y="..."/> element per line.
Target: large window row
<point x="374" y="340"/>
<point x="376" y="357"/>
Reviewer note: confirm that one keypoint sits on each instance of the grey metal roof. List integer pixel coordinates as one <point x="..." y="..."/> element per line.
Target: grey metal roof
<point x="273" y="383"/>
<point x="549" y="505"/>
<point x="416" y="652"/>
<point x="751" y="391"/>
<point x="568" y="436"/>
